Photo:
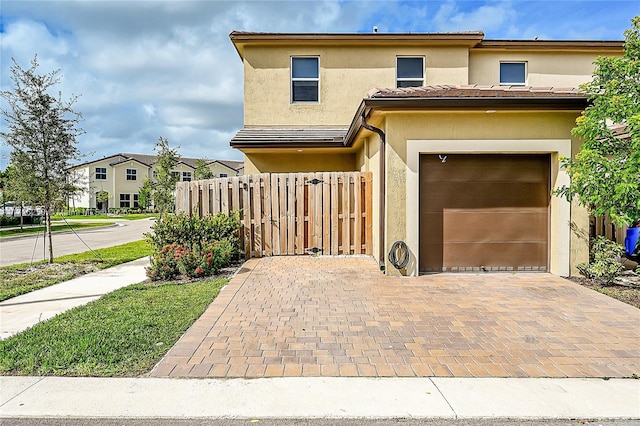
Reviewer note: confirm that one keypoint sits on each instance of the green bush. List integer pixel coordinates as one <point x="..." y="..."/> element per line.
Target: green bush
<point x="186" y="231"/>
<point x="604" y="260"/>
<point x="192" y="246"/>
<point x="9" y="220"/>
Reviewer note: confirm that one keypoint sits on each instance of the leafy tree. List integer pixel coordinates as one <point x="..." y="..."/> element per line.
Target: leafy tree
<point x="42" y="130"/>
<point x="21" y="182"/>
<point x="202" y="170"/>
<point x="165" y="184"/>
<point x="4" y="177"/>
<point x="102" y="196"/>
<point x="605" y="174"/>
<point x="144" y="193"/>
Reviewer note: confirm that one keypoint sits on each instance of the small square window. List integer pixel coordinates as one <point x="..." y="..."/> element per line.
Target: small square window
<point x="305" y="79"/>
<point x="186" y="176"/>
<point x="410" y="72"/>
<point x="223" y="175"/>
<point x="125" y="200"/>
<point x="131" y="174"/>
<point x="101" y="173"/>
<point x="513" y="73"/>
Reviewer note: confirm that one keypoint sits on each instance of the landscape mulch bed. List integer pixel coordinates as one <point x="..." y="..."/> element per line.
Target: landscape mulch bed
<point x="625" y="288"/>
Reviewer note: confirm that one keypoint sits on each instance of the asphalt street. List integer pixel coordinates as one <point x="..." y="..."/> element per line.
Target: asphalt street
<point x="22" y="249"/>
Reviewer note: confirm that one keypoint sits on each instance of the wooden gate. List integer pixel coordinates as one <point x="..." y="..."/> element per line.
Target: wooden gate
<point x="289" y="213"/>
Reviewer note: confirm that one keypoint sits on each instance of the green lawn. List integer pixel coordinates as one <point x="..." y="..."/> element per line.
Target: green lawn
<point x="31" y="229"/>
<point x="23" y="278"/>
<point x="124" y="333"/>
<point x="132" y="216"/>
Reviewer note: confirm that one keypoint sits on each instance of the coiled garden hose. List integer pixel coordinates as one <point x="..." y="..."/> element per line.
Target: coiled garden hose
<point x="399" y="255"/>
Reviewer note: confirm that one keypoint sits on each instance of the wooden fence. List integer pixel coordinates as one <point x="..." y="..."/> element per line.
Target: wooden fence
<point x="602" y="225"/>
<point x="289" y="213"/>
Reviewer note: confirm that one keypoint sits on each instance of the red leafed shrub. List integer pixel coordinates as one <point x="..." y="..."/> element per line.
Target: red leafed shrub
<point x="192" y="247"/>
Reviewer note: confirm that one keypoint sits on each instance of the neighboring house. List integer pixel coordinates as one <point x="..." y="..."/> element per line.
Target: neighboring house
<point x="122" y="175"/>
<point x="463" y="136"/>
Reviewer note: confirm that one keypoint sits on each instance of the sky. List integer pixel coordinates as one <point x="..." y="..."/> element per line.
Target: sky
<point x="145" y="69"/>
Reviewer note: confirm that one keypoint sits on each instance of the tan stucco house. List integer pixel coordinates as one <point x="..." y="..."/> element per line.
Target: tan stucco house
<point x="121" y="176"/>
<point x="463" y="136"/>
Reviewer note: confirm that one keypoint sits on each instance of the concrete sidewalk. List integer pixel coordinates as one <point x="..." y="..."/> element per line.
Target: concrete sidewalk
<point x="21" y="312"/>
<point x="320" y="397"/>
<point x="286" y="397"/>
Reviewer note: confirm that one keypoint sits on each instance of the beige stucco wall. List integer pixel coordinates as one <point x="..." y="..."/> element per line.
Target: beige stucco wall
<point x="218" y="168"/>
<point x="476" y="132"/>
<point x="116" y="182"/>
<point x="267" y="91"/>
<point x="124" y="186"/>
<point x="348" y="73"/>
<point x="557" y="69"/>
<point x="293" y="161"/>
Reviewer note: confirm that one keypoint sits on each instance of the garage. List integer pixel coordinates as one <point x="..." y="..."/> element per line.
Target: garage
<point x="484" y="212"/>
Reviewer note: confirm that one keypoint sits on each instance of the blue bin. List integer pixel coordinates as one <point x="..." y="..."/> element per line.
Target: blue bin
<point x="631" y="240"/>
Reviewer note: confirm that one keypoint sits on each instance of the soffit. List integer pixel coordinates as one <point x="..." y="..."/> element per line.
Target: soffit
<point x="550" y="45"/>
<point x="241" y="39"/>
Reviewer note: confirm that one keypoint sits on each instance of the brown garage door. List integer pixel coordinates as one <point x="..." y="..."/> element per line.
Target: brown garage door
<point x="484" y="212"/>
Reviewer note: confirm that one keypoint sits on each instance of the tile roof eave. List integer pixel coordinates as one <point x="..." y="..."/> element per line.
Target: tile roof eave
<point x="576" y="102"/>
<point x="551" y="102"/>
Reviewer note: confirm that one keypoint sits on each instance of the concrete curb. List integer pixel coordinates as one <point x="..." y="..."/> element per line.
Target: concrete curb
<point x="320" y="397"/>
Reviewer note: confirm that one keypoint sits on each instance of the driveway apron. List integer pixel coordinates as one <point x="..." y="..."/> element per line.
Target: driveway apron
<point x="339" y="316"/>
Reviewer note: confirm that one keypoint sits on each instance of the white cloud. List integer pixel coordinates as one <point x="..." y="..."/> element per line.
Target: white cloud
<point x="146" y="69"/>
<point x="489" y="18"/>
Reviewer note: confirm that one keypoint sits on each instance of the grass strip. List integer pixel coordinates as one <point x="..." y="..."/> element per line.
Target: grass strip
<point x="35" y="229"/>
<point x="124" y="333"/>
<point x="23" y="278"/>
<point x="132" y="216"/>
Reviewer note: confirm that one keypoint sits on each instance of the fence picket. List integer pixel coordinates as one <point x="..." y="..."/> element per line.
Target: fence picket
<point x="286" y="214"/>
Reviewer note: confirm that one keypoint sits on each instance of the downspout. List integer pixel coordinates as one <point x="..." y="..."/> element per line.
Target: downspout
<point x="380" y="132"/>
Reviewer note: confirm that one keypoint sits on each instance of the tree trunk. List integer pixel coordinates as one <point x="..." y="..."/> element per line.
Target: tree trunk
<point x="48" y="218"/>
<point x="21" y="218"/>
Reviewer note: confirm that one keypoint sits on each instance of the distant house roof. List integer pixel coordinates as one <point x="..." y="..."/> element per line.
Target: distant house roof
<point x="235" y="165"/>
<point x="150" y="160"/>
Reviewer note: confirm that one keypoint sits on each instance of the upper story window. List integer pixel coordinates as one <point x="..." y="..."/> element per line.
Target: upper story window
<point x="186" y="176"/>
<point x="410" y="71"/>
<point x="513" y="73"/>
<point x="305" y="79"/>
<point x="175" y="175"/>
<point x="131" y="174"/>
<point x="223" y="175"/>
<point x="101" y="173"/>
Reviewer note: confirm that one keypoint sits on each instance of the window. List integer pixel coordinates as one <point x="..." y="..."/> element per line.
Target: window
<point x="223" y="175"/>
<point x="176" y="175"/>
<point x="410" y="72"/>
<point x="135" y="201"/>
<point x="305" y="79"/>
<point x="101" y="173"/>
<point x="186" y="176"/>
<point x="513" y="73"/>
<point x="131" y="174"/>
<point x="125" y="200"/>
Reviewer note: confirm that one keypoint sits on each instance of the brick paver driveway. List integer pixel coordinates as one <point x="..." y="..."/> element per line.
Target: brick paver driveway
<point x="339" y="316"/>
